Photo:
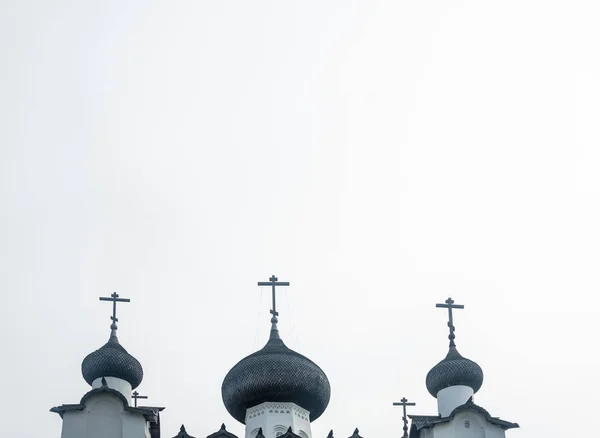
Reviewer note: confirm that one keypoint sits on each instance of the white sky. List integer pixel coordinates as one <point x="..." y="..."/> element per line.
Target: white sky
<point x="379" y="155"/>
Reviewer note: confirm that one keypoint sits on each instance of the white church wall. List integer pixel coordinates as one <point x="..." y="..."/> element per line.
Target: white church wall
<point x="276" y="418"/>
<point x="450" y="398"/>
<point x="135" y="426"/>
<point x="73" y="424"/>
<point x="104" y="416"/>
<point x="465" y="425"/>
<point x="442" y="430"/>
<point x="469" y="425"/>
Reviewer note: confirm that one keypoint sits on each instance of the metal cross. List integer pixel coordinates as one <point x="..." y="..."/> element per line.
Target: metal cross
<point x="135" y="397"/>
<point x="450" y="305"/>
<point x="404" y="403"/>
<point x="273" y="281"/>
<point x="114" y="297"/>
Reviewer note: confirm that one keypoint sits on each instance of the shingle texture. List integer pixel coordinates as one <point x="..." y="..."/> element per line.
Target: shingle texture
<point x="454" y="370"/>
<point x="112" y="360"/>
<point x="275" y="374"/>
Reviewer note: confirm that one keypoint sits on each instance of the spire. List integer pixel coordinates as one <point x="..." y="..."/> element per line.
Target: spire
<point x="273" y="281"/>
<point x="449" y="304"/>
<point x="114" y="297"/>
<point x="404" y="403"/>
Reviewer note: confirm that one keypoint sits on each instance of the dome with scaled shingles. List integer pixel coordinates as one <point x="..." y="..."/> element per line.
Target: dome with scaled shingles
<point x="454" y="370"/>
<point x="112" y="360"/>
<point x="275" y="374"/>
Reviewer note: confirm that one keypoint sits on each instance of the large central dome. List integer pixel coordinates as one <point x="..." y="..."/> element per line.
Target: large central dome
<point x="275" y="374"/>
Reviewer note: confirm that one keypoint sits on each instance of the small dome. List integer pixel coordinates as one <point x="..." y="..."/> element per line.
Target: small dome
<point x="112" y="360"/>
<point x="275" y="374"/>
<point x="454" y="370"/>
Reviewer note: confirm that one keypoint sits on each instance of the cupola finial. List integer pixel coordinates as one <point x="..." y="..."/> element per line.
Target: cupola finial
<point x="114" y="297"/>
<point x="273" y="281"/>
<point x="449" y="304"/>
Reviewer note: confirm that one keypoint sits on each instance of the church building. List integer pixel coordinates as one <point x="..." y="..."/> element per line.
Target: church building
<point x="275" y="392"/>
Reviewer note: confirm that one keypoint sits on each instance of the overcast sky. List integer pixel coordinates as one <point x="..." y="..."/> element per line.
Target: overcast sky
<point x="379" y="155"/>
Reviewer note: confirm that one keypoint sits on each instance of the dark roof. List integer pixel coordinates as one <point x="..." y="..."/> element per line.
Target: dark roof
<point x="355" y="434"/>
<point x="112" y="360"/>
<point x="419" y="422"/>
<point x="275" y="374"/>
<point x="150" y="413"/>
<point x="454" y="370"/>
<point x="182" y="433"/>
<point x="425" y="421"/>
<point x="289" y="434"/>
<point x="222" y="432"/>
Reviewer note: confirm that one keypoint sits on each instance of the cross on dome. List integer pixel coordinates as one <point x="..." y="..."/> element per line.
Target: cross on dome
<point x="273" y="282"/>
<point x="114" y="297"/>
<point x="404" y="403"/>
<point x="449" y="304"/>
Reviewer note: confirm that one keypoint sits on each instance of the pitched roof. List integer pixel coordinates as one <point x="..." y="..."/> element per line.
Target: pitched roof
<point x="222" y="433"/>
<point x="425" y="421"/>
<point x="289" y="434"/>
<point x="150" y="413"/>
<point x="182" y="433"/>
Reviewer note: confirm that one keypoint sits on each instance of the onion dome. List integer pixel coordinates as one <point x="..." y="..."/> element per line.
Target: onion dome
<point x="112" y="360"/>
<point x="454" y="370"/>
<point x="275" y="374"/>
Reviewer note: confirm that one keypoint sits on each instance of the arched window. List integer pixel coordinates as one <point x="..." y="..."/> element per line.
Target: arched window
<point x="279" y="430"/>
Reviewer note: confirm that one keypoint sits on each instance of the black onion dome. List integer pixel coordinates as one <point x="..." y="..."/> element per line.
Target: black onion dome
<point x="112" y="360"/>
<point x="454" y="370"/>
<point x="275" y="374"/>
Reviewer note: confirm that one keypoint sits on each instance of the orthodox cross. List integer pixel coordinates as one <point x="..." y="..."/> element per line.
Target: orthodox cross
<point x="114" y="297"/>
<point x="273" y="281"/>
<point x="450" y="305"/>
<point x="135" y="397"/>
<point x="404" y="403"/>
